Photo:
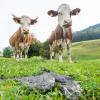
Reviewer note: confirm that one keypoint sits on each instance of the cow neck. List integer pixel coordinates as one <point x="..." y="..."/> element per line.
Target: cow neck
<point x="21" y="36"/>
<point x="62" y="34"/>
<point x="66" y="34"/>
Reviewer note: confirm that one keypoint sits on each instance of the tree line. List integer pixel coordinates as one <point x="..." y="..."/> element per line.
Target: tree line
<point x="90" y="33"/>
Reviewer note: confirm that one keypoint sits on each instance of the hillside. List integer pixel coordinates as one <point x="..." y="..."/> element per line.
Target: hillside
<point x="90" y="33"/>
<point x="86" y="49"/>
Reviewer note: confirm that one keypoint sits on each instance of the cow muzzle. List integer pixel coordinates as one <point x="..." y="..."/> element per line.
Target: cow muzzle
<point x="67" y="24"/>
<point x="25" y="31"/>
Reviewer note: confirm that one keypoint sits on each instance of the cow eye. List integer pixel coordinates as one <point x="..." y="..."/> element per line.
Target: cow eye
<point x="60" y="13"/>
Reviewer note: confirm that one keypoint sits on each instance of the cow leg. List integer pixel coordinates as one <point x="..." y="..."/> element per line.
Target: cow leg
<point x="21" y="54"/>
<point x="51" y="52"/>
<point x="17" y="55"/>
<point x="60" y="53"/>
<point x="26" y="52"/>
<point x="69" y="50"/>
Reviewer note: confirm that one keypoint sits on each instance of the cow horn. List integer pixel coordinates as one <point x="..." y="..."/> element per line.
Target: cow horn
<point x="36" y="18"/>
<point x="13" y="15"/>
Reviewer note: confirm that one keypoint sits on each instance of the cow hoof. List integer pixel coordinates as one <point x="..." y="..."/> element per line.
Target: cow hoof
<point x="71" y="61"/>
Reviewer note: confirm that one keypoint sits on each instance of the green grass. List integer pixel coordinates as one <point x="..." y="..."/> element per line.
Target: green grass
<point x="86" y="71"/>
<point x="87" y="50"/>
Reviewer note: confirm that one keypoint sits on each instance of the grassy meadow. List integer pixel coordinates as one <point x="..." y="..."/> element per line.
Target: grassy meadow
<point x="85" y="70"/>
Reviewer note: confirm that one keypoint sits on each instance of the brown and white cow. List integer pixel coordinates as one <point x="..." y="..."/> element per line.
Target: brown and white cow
<point x="62" y="35"/>
<point x="21" y="39"/>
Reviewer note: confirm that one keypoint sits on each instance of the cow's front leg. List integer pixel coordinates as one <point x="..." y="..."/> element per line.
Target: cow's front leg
<point x="26" y="52"/>
<point x="17" y="55"/>
<point x="21" y="54"/>
<point x="69" y="51"/>
<point x="60" y="54"/>
<point x="51" y="52"/>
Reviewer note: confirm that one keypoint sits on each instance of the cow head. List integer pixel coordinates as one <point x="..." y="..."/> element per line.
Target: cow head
<point x="25" y="23"/>
<point x="64" y="14"/>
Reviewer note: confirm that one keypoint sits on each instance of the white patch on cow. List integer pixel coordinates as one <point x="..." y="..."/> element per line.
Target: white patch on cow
<point x="26" y="44"/>
<point x="69" y="51"/>
<point x="64" y="44"/>
<point x="59" y="45"/>
<point x="51" y="55"/>
<point x="25" y="23"/>
<point x="68" y="41"/>
<point x="17" y="57"/>
<point x="21" y="45"/>
<point x="26" y="52"/>
<point x="63" y="14"/>
<point x="59" y="42"/>
<point x="25" y="19"/>
<point x="54" y="44"/>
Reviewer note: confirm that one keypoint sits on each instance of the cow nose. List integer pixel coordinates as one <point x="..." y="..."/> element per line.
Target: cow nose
<point x="67" y="22"/>
<point x="25" y="30"/>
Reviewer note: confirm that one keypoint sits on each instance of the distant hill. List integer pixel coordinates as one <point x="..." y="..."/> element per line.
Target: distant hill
<point x="90" y="33"/>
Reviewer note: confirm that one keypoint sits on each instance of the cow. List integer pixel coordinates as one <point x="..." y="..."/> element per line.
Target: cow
<point x="22" y="39"/>
<point x="61" y="37"/>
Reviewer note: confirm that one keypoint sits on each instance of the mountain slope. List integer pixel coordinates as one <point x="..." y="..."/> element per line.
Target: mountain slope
<point x="90" y="33"/>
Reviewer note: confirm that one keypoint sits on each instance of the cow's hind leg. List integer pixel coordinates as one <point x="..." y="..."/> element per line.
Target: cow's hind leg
<point x="69" y="50"/>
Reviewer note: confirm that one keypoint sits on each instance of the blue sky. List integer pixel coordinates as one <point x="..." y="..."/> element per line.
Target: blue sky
<point x="89" y="15"/>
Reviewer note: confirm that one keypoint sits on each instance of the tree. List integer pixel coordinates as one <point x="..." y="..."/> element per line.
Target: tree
<point x="44" y="51"/>
<point x="7" y="52"/>
<point x="34" y="49"/>
<point x="39" y="49"/>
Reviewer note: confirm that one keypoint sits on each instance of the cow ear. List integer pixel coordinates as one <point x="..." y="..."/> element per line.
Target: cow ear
<point x="75" y="11"/>
<point x="33" y="21"/>
<point x="16" y="19"/>
<point x="52" y="13"/>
